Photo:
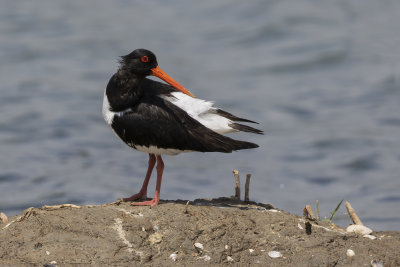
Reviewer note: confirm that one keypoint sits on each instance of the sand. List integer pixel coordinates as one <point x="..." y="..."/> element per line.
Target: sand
<point x="212" y="232"/>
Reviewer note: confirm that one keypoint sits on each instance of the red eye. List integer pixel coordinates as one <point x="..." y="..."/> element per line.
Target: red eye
<point x="144" y="59"/>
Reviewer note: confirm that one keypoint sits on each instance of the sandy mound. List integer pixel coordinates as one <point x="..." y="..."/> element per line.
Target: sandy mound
<point x="220" y="231"/>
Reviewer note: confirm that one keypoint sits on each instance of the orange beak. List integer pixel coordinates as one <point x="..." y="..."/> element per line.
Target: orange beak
<point x="159" y="73"/>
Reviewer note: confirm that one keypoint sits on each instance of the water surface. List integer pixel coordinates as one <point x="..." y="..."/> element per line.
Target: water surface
<point x="321" y="77"/>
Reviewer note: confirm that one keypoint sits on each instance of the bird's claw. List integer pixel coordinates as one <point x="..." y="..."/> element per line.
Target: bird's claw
<point x="151" y="203"/>
<point x="135" y="197"/>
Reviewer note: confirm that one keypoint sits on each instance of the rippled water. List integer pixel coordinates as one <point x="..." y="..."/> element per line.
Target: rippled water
<point x="321" y="77"/>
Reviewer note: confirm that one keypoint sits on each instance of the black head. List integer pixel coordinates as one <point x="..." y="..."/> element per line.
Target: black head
<point x="140" y="62"/>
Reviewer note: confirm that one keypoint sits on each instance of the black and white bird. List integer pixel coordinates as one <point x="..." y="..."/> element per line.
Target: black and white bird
<point x="157" y="118"/>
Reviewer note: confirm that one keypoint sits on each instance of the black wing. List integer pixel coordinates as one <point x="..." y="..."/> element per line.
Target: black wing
<point x="156" y="122"/>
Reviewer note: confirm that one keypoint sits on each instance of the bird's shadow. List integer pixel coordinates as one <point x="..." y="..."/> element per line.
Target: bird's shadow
<point x="231" y="202"/>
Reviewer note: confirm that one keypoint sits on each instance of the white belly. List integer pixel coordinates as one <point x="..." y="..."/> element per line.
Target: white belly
<point x="159" y="151"/>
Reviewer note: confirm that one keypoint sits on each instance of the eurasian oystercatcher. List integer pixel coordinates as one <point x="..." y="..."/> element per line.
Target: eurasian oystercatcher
<point x="158" y="118"/>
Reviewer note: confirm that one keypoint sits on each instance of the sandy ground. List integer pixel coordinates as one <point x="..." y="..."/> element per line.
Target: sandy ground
<point x="211" y="232"/>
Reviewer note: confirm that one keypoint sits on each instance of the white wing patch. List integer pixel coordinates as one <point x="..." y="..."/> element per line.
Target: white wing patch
<point x="202" y="111"/>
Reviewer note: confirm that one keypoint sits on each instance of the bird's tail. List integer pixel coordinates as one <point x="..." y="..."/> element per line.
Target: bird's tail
<point x="245" y="128"/>
<point x="214" y="142"/>
<point x="238" y="145"/>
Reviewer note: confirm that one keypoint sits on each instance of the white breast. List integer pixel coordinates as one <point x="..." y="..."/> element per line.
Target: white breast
<point x="202" y="111"/>
<point x="109" y="115"/>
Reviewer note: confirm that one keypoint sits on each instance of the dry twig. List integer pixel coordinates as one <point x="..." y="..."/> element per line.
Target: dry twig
<point x="237" y="184"/>
<point x="353" y="214"/>
<point x="308" y="213"/>
<point x="186" y="207"/>
<point x="26" y="214"/>
<point x="247" y="188"/>
<point x="56" y="207"/>
<point x="118" y="202"/>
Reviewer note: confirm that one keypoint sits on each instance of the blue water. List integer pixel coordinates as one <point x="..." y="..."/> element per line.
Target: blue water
<point x="321" y="77"/>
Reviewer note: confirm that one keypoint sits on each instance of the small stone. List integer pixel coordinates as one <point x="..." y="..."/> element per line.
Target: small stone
<point x="38" y="245"/>
<point x="173" y="256"/>
<point x="376" y="263"/>
<point x="205" y="258"/>
<point x="3" y="218"/>
<point x="155" y="238"/>
<point x="358" y="229"/>
<point x="47" y="252"/>
<point x="300" y="227"/>
<point x="199" y="245"/>
<point x="226" y="247"/>
<point x="251" y="250"/>
<point x="229" y="259"/>
<point x="372" y="237"/>
<point x="350" y="253"/>
<point x="272" y="210"/>
<point x="274" y="254"/>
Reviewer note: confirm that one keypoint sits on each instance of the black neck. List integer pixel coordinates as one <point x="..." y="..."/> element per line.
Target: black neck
<point x="123" y="90"/>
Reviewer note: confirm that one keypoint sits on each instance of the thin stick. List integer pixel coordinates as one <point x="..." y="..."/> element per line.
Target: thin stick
<point x="26" y="214"/>
<point x="186" y="207"/>
<point x="237" y="184"/>
<point x="247" y="188"/>
<point x="307" y="212"/>
<point x="55" y="207"/>
<point x="353" y="214"/>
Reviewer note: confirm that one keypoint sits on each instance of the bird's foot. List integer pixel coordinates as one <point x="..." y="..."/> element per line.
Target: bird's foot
<point x="151" y="203"/>
<point x="137" y="196"/>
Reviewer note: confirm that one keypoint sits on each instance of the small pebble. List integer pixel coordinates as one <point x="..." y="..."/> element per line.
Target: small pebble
<point x="372" y="237"/>
<point x="358" y="229"/>
<point x="274" y="254"/>
<point x="155" y="238"/>
<point x="198" y="245"/>
<point x="300" y="227"/>
<point x="273" y="210"/>
<point x="173" y="256"/>
<point x="226" y="247"/>
<point x="376" y="263"/>
<point x="205" y="258"/>
<point x="251" y="250"/>
<point x="47" y="252"/>
<point x="3" y="218"/>
<point x="350" y="253"/>
<point x="229" y="259"/>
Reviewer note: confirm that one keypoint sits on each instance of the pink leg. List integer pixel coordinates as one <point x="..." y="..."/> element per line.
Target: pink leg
<point x="143" y="192"/>
<point x="154" y="201"/>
